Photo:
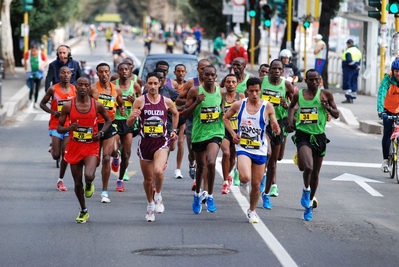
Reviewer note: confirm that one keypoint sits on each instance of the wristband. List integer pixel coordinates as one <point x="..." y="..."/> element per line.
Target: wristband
<point x="175" y="130"/>
<point x="101" y="133"/>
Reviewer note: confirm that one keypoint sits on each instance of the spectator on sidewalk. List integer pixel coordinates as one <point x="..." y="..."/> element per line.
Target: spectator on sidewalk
<point x="231" y="40"/>
<point x="350" y="71"/>
<point x="64" y="58"/>
<point x="34" y="63"/>
<point x="235" y="52"/>
<point x="197" y="30"/>
<point x="320" y="54"/>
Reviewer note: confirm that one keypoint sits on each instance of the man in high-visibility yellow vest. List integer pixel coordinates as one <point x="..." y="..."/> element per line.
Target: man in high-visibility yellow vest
<point x="350" y="71"/>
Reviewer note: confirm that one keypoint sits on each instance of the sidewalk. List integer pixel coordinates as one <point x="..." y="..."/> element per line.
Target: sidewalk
<point x="15" y="93"/>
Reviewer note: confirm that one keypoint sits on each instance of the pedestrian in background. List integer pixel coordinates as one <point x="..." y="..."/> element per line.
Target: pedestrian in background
<point x="320" y="53"/>
<point x="350" y="71"/>
<point x="34" y="63"/>
<point x="231" y="40"/>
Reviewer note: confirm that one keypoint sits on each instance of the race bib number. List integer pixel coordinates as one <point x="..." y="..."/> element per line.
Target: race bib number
<point x="60" y="103"/>
<point x="308" y="115"/>
<point x="127" y="103"/>
<point x="250" y="142"/>
<point x="83" y="134"/>
<point x="272" y="96"/>
<point x="153" y="128"/>
<point x="209" y="114"/>
<point x="107" y="101"/>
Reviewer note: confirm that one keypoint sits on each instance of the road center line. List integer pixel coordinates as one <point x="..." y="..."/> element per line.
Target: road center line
<point x="267" y="236"/>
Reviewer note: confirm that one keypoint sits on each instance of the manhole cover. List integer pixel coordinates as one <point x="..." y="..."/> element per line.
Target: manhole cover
<point x="186" y="251"/>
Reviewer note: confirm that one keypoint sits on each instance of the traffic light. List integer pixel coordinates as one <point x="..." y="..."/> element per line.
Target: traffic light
<point x="267" y="11"/>
<point x="252" y="8"/>
<point x="393" y="7"/>
<point x="376" y="14"/>
<point x="27" y="5"/>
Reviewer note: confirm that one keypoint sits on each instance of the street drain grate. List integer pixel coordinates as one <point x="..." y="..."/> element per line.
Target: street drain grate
<point x="186" y="251"/>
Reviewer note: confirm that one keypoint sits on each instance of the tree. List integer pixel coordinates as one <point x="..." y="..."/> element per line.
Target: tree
<point x="329" y="10"/>
<point x="6" y="37"/>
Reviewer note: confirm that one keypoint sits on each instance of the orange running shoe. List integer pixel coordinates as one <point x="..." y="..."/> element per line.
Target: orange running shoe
<point x="60" y="186"/>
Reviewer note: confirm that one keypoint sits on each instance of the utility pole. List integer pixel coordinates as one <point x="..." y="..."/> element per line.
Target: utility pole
<point x="289" y="25"/>
<point x="27" y="6"/>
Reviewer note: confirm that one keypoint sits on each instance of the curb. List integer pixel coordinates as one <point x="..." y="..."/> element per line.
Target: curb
<point x="21" y="98"/>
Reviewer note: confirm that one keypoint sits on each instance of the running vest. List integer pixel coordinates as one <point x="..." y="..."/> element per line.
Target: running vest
<point x="242" y="86"/>
<point x="169" y="82"/>
<point x="59" y="99"/>
<point x="207" y="117"/>
<point x="311" y="116"/>
<point x="225" y="106"/>
<point x="88" y="126"/>
<point x="33" y="63"/>
<point x="153" y="118"/>
<point x="274" y="94"/>
<point x="251" y="129"/>
<point x="196" y="81"/>
<point x="108" y="101"/>
<point x="128" y="105"/>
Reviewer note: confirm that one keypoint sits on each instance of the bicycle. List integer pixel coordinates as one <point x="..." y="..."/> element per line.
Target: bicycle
<point x="216" y="61"/>
<point x="393" y="149"/>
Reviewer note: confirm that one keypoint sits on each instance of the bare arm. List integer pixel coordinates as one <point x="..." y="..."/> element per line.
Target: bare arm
<point x="175" y="117"/>
<point x="269" y="112"/>
<point x="327" y="100"/>
<point x="291" y="113"/>
<point x="101" y="110"/>
<point x="136" y="111"/>
<point x="43" y="104"/>
<point x="181" y="100"/>
<point x="193" y="100"/>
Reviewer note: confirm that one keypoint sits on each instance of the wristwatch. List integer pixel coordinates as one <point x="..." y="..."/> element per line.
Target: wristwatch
<point x="175" y="130"/>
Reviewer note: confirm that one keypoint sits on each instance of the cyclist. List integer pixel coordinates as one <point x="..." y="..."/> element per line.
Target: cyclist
<point x="290" y="69"/>
<point x="388" y="104"/>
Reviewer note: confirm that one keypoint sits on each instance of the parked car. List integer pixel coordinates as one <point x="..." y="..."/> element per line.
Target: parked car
<point x="190" y="61"/>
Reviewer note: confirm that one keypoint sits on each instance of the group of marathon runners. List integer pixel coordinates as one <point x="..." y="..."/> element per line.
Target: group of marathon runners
<point x="248" y="118"/>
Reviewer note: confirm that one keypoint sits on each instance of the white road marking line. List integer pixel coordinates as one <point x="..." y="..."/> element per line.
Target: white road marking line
<point x="340" y="163"/>
<point x="267" y="236"/>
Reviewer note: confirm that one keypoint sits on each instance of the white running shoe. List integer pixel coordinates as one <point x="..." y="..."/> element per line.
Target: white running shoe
<point x="244" y="189"/>
<point x="159" y="207"/>
<point x="105" y="197"/>
<point x="178" y="174"/>
<point x="252" y="216"/>
<point x="150" y="216"/>
<point x="384" y="166"/>
<point x="204" y="196"/>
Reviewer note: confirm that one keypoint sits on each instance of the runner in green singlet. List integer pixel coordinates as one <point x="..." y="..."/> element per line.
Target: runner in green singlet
<point x="310" y="107"/>
<point x="130" y="91"/>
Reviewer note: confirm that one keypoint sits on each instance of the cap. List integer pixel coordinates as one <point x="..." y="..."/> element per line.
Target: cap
<point x="350" y="41"/>
<point x="318" y="37"/>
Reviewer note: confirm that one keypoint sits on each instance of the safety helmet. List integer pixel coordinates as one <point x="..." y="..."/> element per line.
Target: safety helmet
<point x="285" y="53"/>
<point x="395" y="64"/>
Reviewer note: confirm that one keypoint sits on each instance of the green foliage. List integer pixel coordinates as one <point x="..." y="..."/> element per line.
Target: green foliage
<point x="209" y="15"/>
<point x="132" y="11"/>
<point x="46" y="15"/>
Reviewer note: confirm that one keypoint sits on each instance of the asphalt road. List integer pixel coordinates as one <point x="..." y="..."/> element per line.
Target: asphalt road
<point x="354" y="225"/>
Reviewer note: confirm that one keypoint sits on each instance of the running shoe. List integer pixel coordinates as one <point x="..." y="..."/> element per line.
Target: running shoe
<point x="252" y="216"/>
<point x="159" y="207"/>
<point x="274" y="191"/>
<point x="193" y="186"/>
<point x="89" y="189"/>
<point x="60" y="186"/>
<point x="191" y="171"/>
<point x="178" y="174"/>
<point x="236" y="180"/>
<point x="210" y="203"/>
<point x="126" y="176"/>
<point x="315" y="202"/>
<point x="225" y="189"/>
<point x="384" y="166"/>
<point x="83" y="216"/>
<point x="105" y="197"/>
<point x="116" y="162"/>
<point x="308" y="214"/>
<point x="120" y="186"/>
<point x="197" y="207"/>
<point x="230" y="180"/>
<point x="263" y="184"/>
<point x="244" y="189"/>
<point x="150" y="215"/>
<point x="204" y="196"/>
<point x="266" y="202"/>
<point x="305" y="200"/>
